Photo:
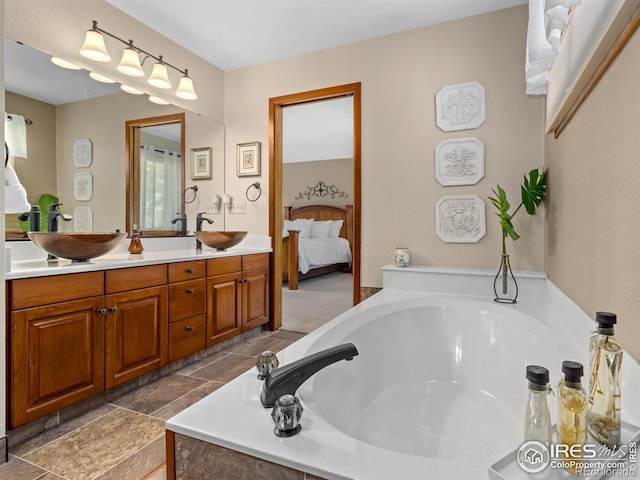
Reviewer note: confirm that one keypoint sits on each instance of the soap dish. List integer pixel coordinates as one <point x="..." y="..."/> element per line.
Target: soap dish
<point x="507" y="468"/>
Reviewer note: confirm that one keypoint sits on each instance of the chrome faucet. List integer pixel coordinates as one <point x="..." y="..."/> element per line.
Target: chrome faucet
<point x="182" y="218"/>
<point x="287" y="379"/>
<point x="199" y="220"/>
<point x="52" y="217"/>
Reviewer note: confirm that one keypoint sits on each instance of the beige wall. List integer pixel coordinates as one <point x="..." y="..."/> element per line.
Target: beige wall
<point x="298" y="177"/>
<point x="592" y="235"/>
<point x="400" y="75"/>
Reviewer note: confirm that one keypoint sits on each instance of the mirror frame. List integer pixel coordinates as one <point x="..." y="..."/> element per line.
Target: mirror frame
<point x="133" y="159"/>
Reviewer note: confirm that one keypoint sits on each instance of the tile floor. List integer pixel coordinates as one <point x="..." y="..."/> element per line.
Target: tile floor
<point x="123" y="437"/>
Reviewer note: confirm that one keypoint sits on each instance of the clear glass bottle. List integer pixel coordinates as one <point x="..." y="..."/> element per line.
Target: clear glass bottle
<point x="537" y="420"/>
<point x="572" y="414"/>
<point x="603" y="414"/>
<point x="135" y="246"/>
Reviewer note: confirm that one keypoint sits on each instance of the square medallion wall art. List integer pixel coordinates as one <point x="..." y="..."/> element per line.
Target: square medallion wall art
<point x="83" y="186"/>
<point x="82" y="152"/>
<point x="459" y="161"/>
<point x="460" y="219"/>
<point x="460" y="106"/>
<point x="83" y="219"/>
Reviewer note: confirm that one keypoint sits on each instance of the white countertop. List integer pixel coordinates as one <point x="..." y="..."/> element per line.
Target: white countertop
<point x="40" y="266"/>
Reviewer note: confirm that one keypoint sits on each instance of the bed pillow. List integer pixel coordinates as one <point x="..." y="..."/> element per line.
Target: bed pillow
<point x="320" y="229"/>
<point x="303" y="225"/>
<point x="336" y="226"/>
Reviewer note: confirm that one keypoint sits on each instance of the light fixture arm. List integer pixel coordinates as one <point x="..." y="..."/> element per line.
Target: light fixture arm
<point x="130" y="45"/>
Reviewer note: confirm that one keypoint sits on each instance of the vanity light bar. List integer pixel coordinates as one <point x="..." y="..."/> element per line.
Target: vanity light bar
<point x="94" y="48"/>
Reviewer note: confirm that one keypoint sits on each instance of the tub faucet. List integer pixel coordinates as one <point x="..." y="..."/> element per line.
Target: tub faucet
<point x="199" y="220"/>
<point x="288" y="378"/>
<point x="52" y="217"/>
<point x="182" y="218"/>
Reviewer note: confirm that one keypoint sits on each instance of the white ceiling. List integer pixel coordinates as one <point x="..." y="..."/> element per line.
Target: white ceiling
<point x="232" y="34"/>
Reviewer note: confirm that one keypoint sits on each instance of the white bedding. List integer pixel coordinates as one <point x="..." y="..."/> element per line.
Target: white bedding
<point x="318" y="252"/>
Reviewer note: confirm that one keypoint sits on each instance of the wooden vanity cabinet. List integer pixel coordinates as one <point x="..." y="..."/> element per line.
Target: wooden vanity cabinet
<point x="56" y="343"/>
<point x="187" y="308"/>
<point x="136" y="322"/>
<point x="237" y="295"/>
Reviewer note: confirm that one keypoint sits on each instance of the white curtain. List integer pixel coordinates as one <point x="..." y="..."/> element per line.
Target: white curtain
<point x="547" y="21"/>
<point x="159" y="188"/>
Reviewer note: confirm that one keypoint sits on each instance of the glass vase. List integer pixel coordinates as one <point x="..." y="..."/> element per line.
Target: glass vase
<point x="505" y="286"/>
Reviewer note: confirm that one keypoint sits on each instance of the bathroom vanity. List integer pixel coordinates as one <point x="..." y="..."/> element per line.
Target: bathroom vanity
<point x="77" y="329"/>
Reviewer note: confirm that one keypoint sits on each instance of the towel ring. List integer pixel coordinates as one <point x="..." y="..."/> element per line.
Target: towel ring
<point x="195" y="194"/>
<point x="257" y="186"/>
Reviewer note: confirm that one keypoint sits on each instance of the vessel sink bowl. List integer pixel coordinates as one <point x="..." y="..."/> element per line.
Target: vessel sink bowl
<point x="79" y="247"/>
<point x="221" y="240"/>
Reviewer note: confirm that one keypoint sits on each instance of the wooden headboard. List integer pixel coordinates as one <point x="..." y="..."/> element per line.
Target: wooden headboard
<point x="325" y="212"/>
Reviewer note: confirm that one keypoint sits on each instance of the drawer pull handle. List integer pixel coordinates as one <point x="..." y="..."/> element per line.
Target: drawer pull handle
<point x="189" y="328"/>
<point x="189" y="290"/>
<point x="112" y="309"/>
<point x="189" y="270"/>
<point x="101" y="311"/>
<point x="243" y="281"/>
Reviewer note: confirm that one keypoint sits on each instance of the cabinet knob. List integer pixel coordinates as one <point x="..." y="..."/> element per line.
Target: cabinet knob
<point x="112" y="309"/>
<point x="243" y="281"/>
<point x="189" y="328"/>
<point x="189" y="270"/>
<point x="189" y="290"/>
<point x="101" y="311"/>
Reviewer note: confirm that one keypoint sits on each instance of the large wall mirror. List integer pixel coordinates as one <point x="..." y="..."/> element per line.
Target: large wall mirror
<point x="94" y="191"/>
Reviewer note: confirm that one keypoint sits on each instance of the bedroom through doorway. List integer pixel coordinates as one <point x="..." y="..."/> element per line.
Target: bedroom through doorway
<point x="315" y="147"/>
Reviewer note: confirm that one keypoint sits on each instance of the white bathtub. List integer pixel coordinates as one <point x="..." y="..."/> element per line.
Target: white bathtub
<point x="438" y="390"/>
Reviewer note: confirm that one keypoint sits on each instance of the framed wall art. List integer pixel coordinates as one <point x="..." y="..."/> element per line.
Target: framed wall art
<point x="82" y="152"/>
<point x="201" y="163"/>
<point x="459" y="161"/>
<point x="248" y="159"/>
<point x="460" y="106"/>
<point x="83" y="186"/>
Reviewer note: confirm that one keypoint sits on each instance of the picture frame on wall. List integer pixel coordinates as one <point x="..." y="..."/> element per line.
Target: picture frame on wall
<point x="201" y="163"/>
<point x="248" y="157"/>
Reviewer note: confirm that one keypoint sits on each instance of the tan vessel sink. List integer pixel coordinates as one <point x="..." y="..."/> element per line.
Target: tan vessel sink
<point x="221" y="240"/>
<point x="78" y="247"/>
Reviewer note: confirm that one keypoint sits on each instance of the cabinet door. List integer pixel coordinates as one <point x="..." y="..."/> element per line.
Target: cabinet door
<point x="255" y="298"/>
<point x="136" y="334"/>
<point x="57" y="357"/>
<point x="224" y="307"/>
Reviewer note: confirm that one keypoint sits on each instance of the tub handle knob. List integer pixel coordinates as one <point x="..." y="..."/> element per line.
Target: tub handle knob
<point x="286" y="415"/>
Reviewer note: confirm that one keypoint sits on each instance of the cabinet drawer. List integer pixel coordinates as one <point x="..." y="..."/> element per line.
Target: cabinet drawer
<point x="133" y="278"/>
<point x="259" y="260"/>
<point x="221" y="266"/>
<point x="182" y="271"/>
<point x="33" y="292"/>
<point x="186" y="337"/>
<point x="187" y="299"/>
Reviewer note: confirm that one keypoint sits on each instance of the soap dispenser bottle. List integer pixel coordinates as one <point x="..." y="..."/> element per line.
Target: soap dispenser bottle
<point x="135" y="246"/>
<point x="572" y="414"/>
<point x="537" y="420"/>
<point x="603" y="414"/>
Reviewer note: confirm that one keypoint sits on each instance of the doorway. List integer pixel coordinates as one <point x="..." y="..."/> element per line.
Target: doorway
<point x="276" y="106"/>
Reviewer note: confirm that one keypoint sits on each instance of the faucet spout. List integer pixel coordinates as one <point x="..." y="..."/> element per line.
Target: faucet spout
<point x="199" y="220"/>
<point x="288" y="378"/>
<point x="182" y="218"/>
<point x="52" y="217"/>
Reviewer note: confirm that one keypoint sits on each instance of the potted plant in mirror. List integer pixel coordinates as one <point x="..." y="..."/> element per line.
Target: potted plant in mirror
<point x="532" y="192"/>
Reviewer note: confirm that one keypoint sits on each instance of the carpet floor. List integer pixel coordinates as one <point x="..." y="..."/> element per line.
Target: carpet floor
<point x="316" y="301"/>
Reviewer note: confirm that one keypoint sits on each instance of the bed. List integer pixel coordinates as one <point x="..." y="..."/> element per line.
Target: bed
<point x="317" y="239"/>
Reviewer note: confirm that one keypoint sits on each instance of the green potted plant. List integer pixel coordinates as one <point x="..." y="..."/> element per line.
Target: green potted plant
<point x="532" y="193"/>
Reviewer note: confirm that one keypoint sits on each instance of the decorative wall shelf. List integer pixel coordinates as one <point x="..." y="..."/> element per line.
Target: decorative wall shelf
<point x="460" y="106"/>
<point x="459" y="161"/>
<point x="460" y="219"/>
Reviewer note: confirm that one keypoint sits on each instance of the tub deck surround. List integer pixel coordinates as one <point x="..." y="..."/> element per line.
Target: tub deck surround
<point x="27" y="262"/>
<point x="340" y="432"/>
